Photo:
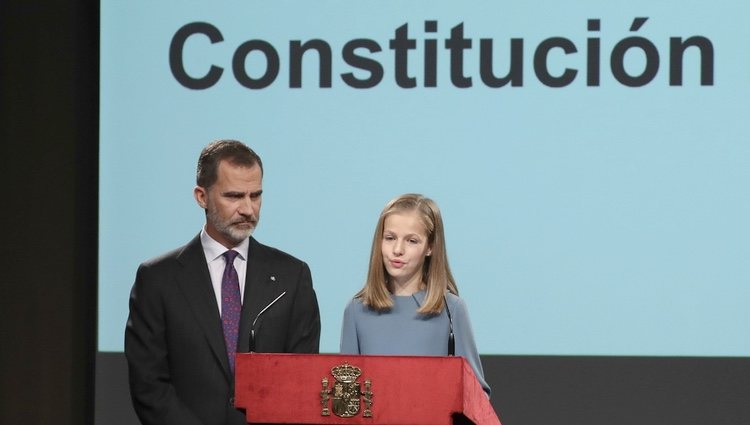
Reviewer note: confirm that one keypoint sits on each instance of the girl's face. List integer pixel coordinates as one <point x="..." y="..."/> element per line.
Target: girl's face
<point x="404" y="247"/>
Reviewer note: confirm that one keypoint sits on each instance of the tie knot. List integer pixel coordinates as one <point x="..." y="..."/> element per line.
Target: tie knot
<point x="230" y="256"/>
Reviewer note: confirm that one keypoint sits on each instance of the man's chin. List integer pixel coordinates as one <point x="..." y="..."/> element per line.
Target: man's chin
<point x="238" y="236"/>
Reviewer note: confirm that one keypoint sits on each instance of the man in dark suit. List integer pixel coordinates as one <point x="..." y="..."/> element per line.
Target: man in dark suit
<point x="191" y="309"/>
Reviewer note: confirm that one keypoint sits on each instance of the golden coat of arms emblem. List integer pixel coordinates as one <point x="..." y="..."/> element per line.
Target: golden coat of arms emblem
<point x="347" y="394"/>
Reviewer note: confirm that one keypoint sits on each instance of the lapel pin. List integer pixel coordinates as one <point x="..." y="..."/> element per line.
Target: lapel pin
<point x="273" y="278"/>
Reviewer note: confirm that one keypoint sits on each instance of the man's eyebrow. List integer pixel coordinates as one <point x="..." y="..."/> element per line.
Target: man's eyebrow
<point x="241" y="193"/>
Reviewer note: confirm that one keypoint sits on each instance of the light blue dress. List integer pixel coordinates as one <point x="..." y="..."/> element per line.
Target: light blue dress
<point x="403" y="331"/>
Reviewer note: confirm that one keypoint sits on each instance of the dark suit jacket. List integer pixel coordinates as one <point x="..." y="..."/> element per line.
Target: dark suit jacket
<point x="174" y="343"/>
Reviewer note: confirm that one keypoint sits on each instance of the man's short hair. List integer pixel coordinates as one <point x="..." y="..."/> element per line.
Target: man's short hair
<point x="233" y="151"/>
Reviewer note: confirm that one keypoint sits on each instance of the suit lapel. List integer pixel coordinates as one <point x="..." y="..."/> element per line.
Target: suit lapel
<point x="195" y="283"/>
<point x="259" y="290"/>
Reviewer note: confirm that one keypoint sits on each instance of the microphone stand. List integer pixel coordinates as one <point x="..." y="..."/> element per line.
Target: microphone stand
<point x="451" y="337"/>
<point x="252" y="327"/>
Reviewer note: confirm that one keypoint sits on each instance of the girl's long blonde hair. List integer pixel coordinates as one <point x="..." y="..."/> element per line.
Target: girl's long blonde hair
<point x="436" y="273"/>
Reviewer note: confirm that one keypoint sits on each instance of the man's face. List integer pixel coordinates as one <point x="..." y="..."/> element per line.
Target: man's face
<point x="232" y="203"/>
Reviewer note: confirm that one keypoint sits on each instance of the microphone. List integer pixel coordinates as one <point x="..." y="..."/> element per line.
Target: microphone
<point x="252" y="327"/>
<point x="451" y="337"/>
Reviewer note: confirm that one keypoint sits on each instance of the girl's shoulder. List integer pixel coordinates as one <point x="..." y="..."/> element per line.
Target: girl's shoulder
<point x="455" y="303"/>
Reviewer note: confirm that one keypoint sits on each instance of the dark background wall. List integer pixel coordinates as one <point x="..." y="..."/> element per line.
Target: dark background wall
<point x="48" y="132"/>
<point x="530" y="390"/>
<point x="49" y="137"/>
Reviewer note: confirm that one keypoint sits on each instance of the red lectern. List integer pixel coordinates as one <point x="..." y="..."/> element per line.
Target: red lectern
<point x="349" y="389"/>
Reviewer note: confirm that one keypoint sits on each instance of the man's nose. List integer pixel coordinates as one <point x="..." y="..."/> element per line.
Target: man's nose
<point x="247" y="206"/>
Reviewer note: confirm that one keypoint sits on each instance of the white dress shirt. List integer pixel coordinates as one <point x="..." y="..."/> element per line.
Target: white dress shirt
<point x="214" y="252"/>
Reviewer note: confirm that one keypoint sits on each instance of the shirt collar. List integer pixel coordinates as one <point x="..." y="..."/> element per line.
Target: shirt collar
<point x="213" y="249"/>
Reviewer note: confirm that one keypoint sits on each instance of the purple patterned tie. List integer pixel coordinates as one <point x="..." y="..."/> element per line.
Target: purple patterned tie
<point x="231" y="305"/>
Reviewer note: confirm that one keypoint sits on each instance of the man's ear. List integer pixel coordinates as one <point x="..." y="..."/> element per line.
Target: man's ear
<point x="201" y="197"/>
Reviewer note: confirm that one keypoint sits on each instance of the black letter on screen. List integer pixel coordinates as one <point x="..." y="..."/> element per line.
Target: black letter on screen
<point x="297" y="50"/>
<point x="177" y="66"/>
<point x="372" y="66"/>
<point x="272" y="64"/>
